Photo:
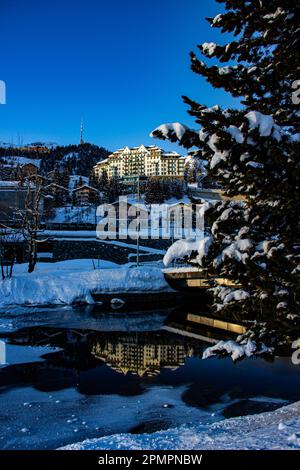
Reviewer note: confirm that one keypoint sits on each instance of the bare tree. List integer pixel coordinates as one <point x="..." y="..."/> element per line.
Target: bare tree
<point x="30" y="217"/>
<point x="8" y="239"/>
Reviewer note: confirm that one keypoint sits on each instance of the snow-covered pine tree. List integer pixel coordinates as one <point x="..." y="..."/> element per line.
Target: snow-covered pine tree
<point x="252" y="151"/>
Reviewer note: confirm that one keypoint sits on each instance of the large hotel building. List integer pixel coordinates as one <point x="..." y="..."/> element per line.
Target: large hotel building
<point x="131" y="163"/>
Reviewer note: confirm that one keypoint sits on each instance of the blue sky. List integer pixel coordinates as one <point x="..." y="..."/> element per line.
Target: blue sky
<point x="122" y="65"/>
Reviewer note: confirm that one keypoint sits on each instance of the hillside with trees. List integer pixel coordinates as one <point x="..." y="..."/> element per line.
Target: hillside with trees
<point x="74" y="159"/>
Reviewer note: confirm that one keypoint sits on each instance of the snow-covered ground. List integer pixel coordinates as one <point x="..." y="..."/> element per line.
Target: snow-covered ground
<point x="75" y="180"/>
<point x="14" y="161"/>
<point x="67" y="234"/>
<point x="72" y="281"/>
<point x="28" y="354"/>
<point x="87" y="214"/>
<point x="278" y="429"/>
<point x="74" y="214"/>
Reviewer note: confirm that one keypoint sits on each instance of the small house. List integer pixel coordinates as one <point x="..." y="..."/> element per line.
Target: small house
<point x="85" y="195"/>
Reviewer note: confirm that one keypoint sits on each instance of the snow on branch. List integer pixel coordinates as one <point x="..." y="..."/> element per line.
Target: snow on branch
<point x="237" y="350"/>
<point x="208" y="48"/>
<point x="166" y="130"/>
<point x="227" y="294"/>
<point x="211" y="137"/>
<point x="236" y="134"/>
<point x="232" y="348"/>
<point x="265" y="124"/>
<point x="238" y="250"/>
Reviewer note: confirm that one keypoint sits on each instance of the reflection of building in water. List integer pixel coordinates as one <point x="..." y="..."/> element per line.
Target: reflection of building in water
<point x="141" y="355"/>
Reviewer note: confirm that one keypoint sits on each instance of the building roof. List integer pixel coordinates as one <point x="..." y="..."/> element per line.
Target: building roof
<point x="57" y="186"/>
<point x="85" y="186"/>
<point x="102" y="161"/>
<point x="138" y="205"/>
<point x="171" y="154"/>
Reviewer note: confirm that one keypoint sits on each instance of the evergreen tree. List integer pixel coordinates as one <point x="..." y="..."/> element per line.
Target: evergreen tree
<point x="158" y="190"/>
<point x="165" y="188"/>
<point x="150" y="188"/>
<point x="65" y="178"/>
<point x="113" y="189"/>
<point x="103" y="182"/>
<point x="155" y="191"/>
<point x="79" y="182"/>
<point x="93" y="180"/>
<point x="253" y="152"/>
<point x="177" y="188"/>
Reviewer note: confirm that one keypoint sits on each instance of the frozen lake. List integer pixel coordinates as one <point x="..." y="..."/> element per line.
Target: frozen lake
<point x="72" y="374"/>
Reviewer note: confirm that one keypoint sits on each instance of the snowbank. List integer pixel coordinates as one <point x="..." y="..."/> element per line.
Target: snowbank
<point x="72" y="281"/>
<point x="266" y="431"/>
<point x="184" y="248"/>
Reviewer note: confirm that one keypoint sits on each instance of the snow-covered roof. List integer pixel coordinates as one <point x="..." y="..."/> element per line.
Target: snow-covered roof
<point x="171" y="154"/>
<point x="134" y="203"/>
<point x="102" y="161"/>
<point x="187" y="205"/>
<point x="142" y="148"/>
<point x="9" y="184"/>
<point x="57" y="186"/>
<point x="85" y="186"/>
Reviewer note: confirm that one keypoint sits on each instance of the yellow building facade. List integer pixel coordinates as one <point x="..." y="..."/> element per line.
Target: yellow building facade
<point x="141" y="356"/>
<point x="143" y="161"/>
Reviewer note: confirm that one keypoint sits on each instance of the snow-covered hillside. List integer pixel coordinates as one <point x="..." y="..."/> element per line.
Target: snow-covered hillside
<point x="75" y="180"/>
<point x="74" y="215"/>
<point x="14" y="161"/>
